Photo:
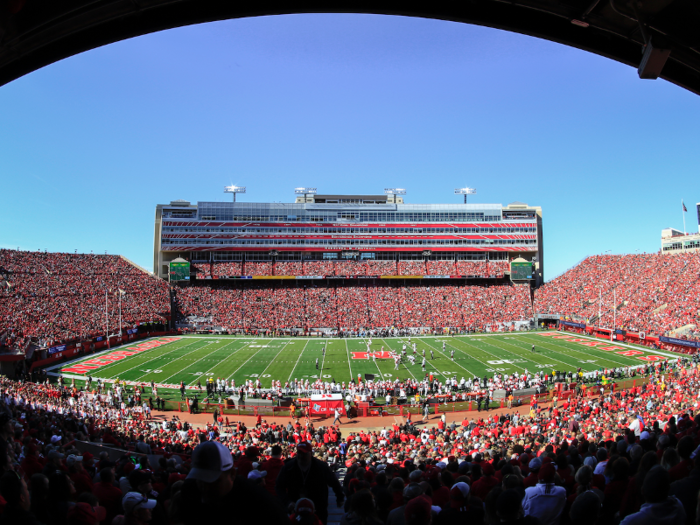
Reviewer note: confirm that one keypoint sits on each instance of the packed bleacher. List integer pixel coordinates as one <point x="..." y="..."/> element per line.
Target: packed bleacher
<point x="354" y="307"/>
<point x="351" y="267"/>
<point x="50" y="298"/>
<point x="596" y="459"/>
<point x="654" y="293"/>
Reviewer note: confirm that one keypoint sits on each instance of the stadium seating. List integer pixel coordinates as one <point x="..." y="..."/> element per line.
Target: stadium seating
<point x="257" y="268"/>
<point x="353" y="307"/>
<point x="471" y="268"/>
<point x="201" y="270"/>
<point x="227" y="269"/>
<point x="411" y="268"/>
<point x="441" y="267"/>
<point x="46" y="451"/>
<point x="655" y="293"/>
<point x="59" y="297"/>
<point x="288" y="268"/>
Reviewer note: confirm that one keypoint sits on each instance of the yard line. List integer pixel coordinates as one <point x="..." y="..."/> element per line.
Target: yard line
<point x="189" y="366"/>
<point x="323" y="360"/>
<point x="204" y="373"/>
<point x="406" y="367"/>
<point x="519" y="356"/>
<point x="640" y="347"/>
<point x="429" y="362"/>
<point x="273" y="360"/>
<point x="348" y="352"/>
<point x="558" y="351"/>
<point x="251" y="357"/>
<point x="153" y="359"/>
<point x="582" y="352"/>
<point x="298" y="358"/>
<point x="493" y="355"/>
<point x="377" y="365"/>
<point x="455" y="362"/>
<point x="121" y="347"/>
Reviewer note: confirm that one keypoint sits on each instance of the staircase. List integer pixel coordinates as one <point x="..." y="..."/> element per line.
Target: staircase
<point x="335" y="512"/>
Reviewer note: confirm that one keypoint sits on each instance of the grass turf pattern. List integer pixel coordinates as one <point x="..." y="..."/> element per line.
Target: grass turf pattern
<point x="194" y="358"/>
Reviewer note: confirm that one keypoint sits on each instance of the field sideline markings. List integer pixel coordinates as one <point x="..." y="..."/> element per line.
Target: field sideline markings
<point x="203" y="373"/>
<point x="298" y="358"/>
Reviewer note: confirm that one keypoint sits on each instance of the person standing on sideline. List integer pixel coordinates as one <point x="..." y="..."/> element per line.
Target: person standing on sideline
<point x="337" y="417"/>
<point x="426" y="411"/>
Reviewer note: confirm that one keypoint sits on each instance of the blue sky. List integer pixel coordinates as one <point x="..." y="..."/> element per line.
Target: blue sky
<point x="349" y="104"/>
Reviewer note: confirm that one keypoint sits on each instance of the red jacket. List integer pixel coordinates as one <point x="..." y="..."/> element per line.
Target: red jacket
<point x="272" y="466"/>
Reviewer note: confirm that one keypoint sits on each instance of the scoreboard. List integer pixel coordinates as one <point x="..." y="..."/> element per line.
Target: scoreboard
<point x="179" y="271"/>
<point x="520" y="271"/>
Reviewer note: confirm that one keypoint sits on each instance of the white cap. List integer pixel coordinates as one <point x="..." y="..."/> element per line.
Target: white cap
<point x="135" y="500"/>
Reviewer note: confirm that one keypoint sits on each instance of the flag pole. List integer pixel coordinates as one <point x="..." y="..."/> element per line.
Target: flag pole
<point x="683" y="211"/>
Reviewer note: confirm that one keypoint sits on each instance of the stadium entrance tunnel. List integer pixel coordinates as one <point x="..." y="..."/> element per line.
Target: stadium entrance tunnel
<point x="659" y="37"/>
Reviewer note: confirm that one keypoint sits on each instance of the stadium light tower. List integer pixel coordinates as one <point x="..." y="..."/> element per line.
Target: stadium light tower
<point x="305" y="192"/>
<point x="234" y="189"/>
<point x="465" y="192"/>
<point x="394" y="191"/>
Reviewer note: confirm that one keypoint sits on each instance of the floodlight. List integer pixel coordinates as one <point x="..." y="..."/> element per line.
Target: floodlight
<point x="305" y="191"/>
<point x="234" y="189"/>
<point x="465" y="192"/>
<point x="394" y="191"/>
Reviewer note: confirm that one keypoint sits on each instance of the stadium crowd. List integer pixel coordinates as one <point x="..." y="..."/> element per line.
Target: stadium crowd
<point x="49" y="298"/>
<point x="628" y="457"/>
<point x="351" y="267"/>
<point x="654" y="293"/>
<point x="356" y="307"/>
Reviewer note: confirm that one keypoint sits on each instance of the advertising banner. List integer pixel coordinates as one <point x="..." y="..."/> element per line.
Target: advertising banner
<point x="679" y="342"/>
<point x="56" y="349"/>
<point x="575" y="325"/>
<point x="325" y="405"/>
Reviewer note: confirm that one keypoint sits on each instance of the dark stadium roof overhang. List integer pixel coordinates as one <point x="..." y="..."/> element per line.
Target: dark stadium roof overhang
<point x="35" y="33"/>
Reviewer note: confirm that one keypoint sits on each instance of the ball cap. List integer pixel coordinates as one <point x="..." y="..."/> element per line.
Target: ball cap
<point x="73" y="459"/>
<point x="304" y="506"/>
<point x="305" y="446"/>
<point x="459" y="491"/>
<point x="209" y="460"/>
<point x="256" y="475"/>
<point x="135" y="500"/>
<point x="535" y="463"/>
<point x="84" y="513"/>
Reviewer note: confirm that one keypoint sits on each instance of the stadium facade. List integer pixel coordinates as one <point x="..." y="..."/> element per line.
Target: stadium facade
<point x="348" y="227"/>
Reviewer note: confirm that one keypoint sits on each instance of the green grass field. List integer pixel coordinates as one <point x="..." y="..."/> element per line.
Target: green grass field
<point x="193" y="358"/>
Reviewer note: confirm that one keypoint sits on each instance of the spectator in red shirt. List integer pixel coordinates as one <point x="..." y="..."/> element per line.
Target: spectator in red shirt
<point x="272" y="466"/>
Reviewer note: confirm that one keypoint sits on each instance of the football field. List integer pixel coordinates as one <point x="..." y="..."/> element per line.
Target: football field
<point x="170" y="360"/>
